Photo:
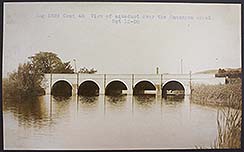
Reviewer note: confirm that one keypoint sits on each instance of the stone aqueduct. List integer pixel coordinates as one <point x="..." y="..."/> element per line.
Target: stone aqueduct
<point x="129" y="83"/>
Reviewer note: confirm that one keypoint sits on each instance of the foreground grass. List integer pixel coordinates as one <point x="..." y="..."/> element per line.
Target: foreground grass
<point x="228" y="99"/>
<point x="229" y="128"/>
<point x="228" y="95"/>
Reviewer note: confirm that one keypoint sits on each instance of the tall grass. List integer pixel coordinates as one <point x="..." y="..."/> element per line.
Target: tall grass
<point x="227" y="95"/>
<point x="228" y="99"/>
<point x="229" y="127"/>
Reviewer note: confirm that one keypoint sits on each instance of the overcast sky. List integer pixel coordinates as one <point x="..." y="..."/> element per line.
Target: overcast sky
<point x="110" y="47"/>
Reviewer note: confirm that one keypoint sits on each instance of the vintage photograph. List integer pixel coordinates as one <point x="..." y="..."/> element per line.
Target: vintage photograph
<point x="120" y="75"/>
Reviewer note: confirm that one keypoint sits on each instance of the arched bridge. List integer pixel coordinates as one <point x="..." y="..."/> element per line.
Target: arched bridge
<point x="95" y="84"/>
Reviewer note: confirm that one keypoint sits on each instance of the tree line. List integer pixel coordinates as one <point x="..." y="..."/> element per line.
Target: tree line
<point x="27" y="79"/>
<point x="230" y="73"/>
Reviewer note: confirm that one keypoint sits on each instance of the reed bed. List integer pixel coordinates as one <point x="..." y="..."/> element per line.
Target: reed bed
<point x="229" y="128"/>
<point x="227" y="95"/>
<point x="228" y="99"/>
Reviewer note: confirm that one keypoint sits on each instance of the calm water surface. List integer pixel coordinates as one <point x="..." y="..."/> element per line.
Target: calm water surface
<point x="107" y="122"/>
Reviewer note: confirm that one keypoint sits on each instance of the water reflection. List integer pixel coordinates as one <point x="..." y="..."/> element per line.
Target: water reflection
<point x="61" y="107"/>
<point x="129" y="121"/>
<point x="61" y="98"/>
<point x="116" y="104"/>
<point x="89" y="107"/>
<point x="145" y="101"/>
<point x="28" y="111"/>
<point x="88" y="101"/>
<point x="116" y="100"/>
<point x="174" y="98"/>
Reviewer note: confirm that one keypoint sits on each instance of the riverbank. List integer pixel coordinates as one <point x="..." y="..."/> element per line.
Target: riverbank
<point x="228" y="99"/>
<point x="227" y="95"/>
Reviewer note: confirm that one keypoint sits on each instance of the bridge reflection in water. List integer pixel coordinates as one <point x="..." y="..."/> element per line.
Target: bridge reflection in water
<point x="47" y="121"/>
<point x="117" y="102"/>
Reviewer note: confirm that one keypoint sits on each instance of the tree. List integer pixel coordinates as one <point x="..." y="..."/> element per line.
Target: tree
<point x="27" y="80"/>
<point x="48" y="62"/>
<point x="64" y="68"/>
<point x="23" y="82"/>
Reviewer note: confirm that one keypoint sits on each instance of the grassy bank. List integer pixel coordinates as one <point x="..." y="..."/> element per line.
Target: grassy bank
<point x="228" y="99"/>
<point x="227" y="95"/>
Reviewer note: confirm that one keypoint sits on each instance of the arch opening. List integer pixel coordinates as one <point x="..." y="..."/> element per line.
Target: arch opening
<point x="116" y="88"/>
<point x="173" y="88"/>
<point x="88" y="88"/>
<point x="144" y="87"/>
<point x="61" y="88"/>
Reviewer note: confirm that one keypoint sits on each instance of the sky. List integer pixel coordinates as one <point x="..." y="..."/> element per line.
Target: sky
<point x="97" y="35"/>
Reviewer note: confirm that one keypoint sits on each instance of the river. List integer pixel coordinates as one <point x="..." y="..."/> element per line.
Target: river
<point x="104" y="122"/>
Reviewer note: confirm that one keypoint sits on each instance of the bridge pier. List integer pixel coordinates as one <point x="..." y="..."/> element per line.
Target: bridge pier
<point x="158" y="90"/>
<point x="74" y="89"/>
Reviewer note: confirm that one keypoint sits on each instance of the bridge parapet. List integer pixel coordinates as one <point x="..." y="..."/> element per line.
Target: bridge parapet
<point x="154" y="78"/>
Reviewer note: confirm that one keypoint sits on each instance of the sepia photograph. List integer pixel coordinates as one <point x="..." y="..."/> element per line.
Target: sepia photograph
<point x="121" y="76"/>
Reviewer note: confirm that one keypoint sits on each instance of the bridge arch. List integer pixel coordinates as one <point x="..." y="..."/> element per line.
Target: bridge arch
<point x="88" y="87"/>
<point x="115" y="87"/>
<point x="173" y="87"/>
<point x="144" y="85"/>
<point x="61" y="87"/>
